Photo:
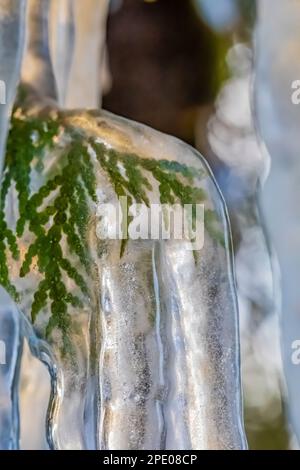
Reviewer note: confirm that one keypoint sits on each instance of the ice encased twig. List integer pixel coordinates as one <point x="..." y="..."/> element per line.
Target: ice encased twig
<point x="155" y="352"/>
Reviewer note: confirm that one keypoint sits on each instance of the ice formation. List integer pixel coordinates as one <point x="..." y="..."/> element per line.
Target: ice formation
<point x="12" y="14"/>
<point x="72" y="32"/>
<point x="158" y="332"/>
<point x="141" y="339"/>
<point x="87" y="71"/>
<point x="12" y="31"/>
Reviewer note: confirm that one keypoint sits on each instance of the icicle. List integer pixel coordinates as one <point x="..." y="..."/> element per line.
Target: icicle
<point x="12" y="341"/>
<point x="12" y="29"/>
<point x="160" y="320"/>
<point x="85" y="87"/>
<point x="138" y="335"/>
<point x="37" y="68"/>
<point x="62" y="47"/>
<point x="77" y="42"/>
<point x="62" y="39"/>
<point x="277" y="69"/>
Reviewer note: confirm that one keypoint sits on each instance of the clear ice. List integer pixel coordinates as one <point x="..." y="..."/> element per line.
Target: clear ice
<point x="12" y="34"/>
<point x="153" y="359"/>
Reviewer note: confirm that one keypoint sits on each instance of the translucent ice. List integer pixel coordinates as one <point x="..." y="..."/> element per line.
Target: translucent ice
<point x="62" y="38"/>
<point x="37" y="67"/>
<point x="12" y="30"/>
<point x="77" y="43"/>
<point x="86" y="81"/>
<point x="141" y="338"/>
<point x="143" y="350"/>
<point x="11" y="338"/>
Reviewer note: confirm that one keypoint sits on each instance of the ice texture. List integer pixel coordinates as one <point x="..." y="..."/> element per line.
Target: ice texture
<point x="150" y="359"/>
<point x="155" y="350"/>
<point x="56" y="65"/>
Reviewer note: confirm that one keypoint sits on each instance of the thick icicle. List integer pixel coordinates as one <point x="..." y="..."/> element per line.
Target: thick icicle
<point x="85" y="82"/>
<point x="37" y="68"/>
<point x="37" y="74"/>
<point x="160" y="321"/>
<point x="65" y="52"/>
<point x="11" y="336"/>
<point x="277" y="68"/>
<point x="12" y="31"/>
<point x="62" y="38"/>
<point x="151" y="358"/>
<point x="77" y="40"/>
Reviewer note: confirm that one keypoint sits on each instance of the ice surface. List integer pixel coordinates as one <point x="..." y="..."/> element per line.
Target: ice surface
<point x="150" y="359"/>
<point x="155" y="355"/>
<point x="65" y="57"/>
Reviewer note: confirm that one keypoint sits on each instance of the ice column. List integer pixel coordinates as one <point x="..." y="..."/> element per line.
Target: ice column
<point x="86" y="77"/>
<point x="142" y="342"/>
<point x="150" y="360"/>
<point x="37" y="70"/>
<point x="12" y="29"/>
